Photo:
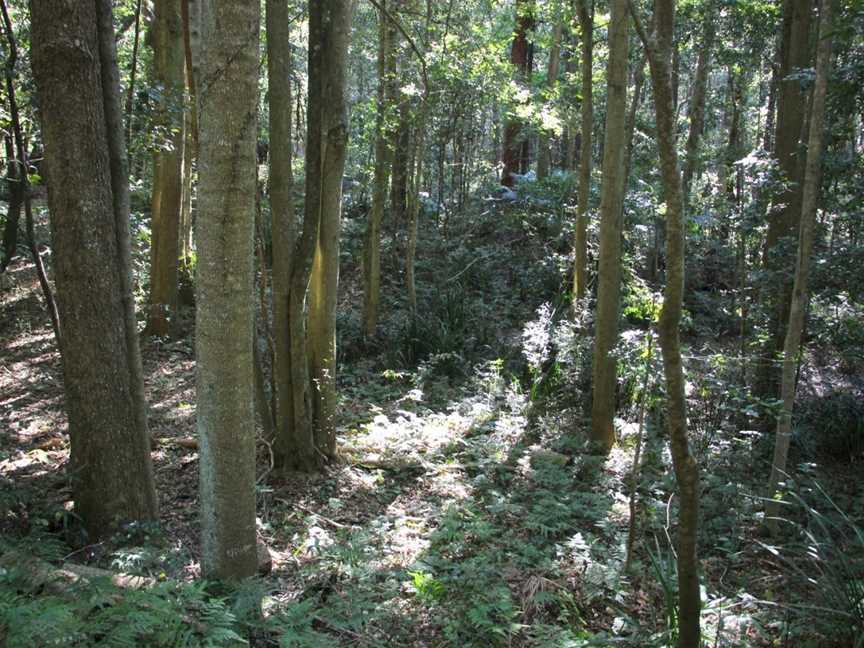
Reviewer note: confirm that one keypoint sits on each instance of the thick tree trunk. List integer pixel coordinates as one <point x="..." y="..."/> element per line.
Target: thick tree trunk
<point x="77" y="81"/>
<point x="783" y="222"/>
<point x="544" y="152"/>
<point x="228" y="91"/>
<point x="609" y="272"/>
<point x="331" y="21"/>
<point x="580" y="274"/>
<point x="659" y="50"/>
<point x="800" y="291"/>
<point x="384" y="132"/>
<point x="168" y="64"/>
<point x="511" y="153"/>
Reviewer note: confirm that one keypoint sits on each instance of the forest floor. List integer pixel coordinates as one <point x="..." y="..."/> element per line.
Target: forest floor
<point x="463" y="511"/>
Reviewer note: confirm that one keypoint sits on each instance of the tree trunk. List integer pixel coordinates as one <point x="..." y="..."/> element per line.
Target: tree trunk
<point x="330" y="21"/>
<point x="78" y="84"/>
<point x="168" y="63"/>
<point x="133" y="71"/>
<point x="511" y="153"/>
<point x="783" y="222"/>
<point x="696" y="111"/>
<point x="228" y="91"/>
<point x="544" y="153"/>
<point x="293" y="447"/>
<point x="416" y="170"/>
<point x="800" y="291"/>
<point x="609" y="272"/>
<point x="580" y="274"/>
<point x="13" y="212"/>
<point x="659" y="50"/>
<point x="383" y="159"/>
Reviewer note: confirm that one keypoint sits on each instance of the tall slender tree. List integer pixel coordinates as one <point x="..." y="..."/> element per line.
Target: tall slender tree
<point x="609" y="271"/>
<point x="544" y="151"/>
<point x="696" y="110"/>
<point x="294" y="447"/>
<point x="800" y="292"/>
<point x="585" y="11"/>
<point x="384" y="134"/>
<point x="330" y="30"/>
<point x="784" y="219"/>
<point x="166" y="203"/>
<point x="658" y="47"/>
<point x="76" y="74"/>
<point x="227" y="92"/>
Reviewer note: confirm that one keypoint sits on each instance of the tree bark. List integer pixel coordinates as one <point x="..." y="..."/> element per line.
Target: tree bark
<point x="659" y="50"/>
<point x="609" y="271"/>
<point x="166" y="202"/>
<point x="78" y="86"/>
<point x="800" y="291"/>
<point x="228" y="91"/>
<point x="330" y="20"/>
<point x="580" y="274"/>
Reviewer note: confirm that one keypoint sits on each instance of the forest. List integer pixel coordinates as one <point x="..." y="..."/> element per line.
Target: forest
<point x="434" y="323"/>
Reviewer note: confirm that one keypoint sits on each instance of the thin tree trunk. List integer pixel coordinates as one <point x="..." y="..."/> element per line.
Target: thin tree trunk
<point x="384" y="133"/>
<point x="85" y="155"/>
<point x="133" y="71"/>
<point x="224" y="337"/>
<point x="580" y="274"/>
<point x="416" y="183"/>
<point x="609" y="271"/>
<point x="697" y="101"/>
<point x="544" y="153"/>
<point x="800" y="291"/>
<point x="16" y="199"/>
<point x="21" y="193"/>
<point x="659" y="49"/>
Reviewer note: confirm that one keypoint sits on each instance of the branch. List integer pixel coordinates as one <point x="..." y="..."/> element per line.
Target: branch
<point x="410" y="40"/>
<point x="640" y="29"/>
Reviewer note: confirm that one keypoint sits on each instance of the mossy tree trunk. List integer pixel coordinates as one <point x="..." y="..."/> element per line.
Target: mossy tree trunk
<point x="227" y="92"/>
<point x="75" y="68"/>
